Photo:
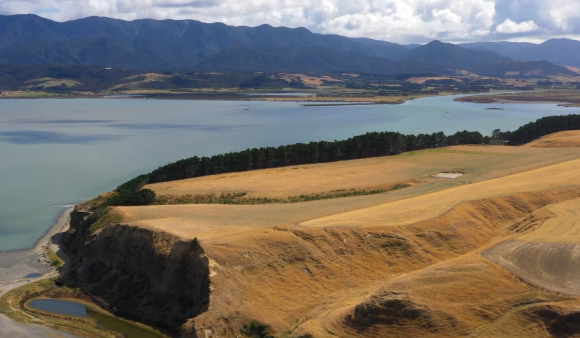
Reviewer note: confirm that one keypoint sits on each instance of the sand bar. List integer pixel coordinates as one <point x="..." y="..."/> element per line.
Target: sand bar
<point x="16" y="265"/>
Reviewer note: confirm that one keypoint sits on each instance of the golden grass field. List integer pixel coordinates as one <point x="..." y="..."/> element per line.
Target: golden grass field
<point x="477" y="162"/>
<point x="310" y="80"/>
<point x="561" y="139"/>
<point x="477" y="256"/>
<point x="420" y="208"/>
<point x="563" y="228"/>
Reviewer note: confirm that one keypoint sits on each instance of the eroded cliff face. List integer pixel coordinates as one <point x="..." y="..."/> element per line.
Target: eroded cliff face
<point x="152" y="277"/>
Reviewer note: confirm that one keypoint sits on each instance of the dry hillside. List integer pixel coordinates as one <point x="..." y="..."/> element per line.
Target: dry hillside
<point x="493" y="253"/>
<point x="556" y="140"/>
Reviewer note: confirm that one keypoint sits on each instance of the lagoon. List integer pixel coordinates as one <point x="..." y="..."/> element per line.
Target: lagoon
<point x="57" y="152"/>
<point x="71" y="308"/>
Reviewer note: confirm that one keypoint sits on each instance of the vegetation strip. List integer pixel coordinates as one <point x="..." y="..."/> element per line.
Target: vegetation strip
<point x="375" y="144"/>
<point x="241" y="199"/>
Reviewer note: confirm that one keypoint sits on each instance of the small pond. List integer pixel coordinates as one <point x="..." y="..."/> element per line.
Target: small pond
<point x="105" y="321"/>
<point x="33" y="275"/>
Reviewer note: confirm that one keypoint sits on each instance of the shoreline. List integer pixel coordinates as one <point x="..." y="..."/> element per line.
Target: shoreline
<point x="24" y="261"/>
<point x="233" y="96"/>
<point x="16" y="265"/>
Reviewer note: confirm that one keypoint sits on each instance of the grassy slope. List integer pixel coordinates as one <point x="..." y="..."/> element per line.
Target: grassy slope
<point x="562" y="139"/>
<point x="478" y="162"/>
<point x="284" y="265"/>
<point x="424" y="207"/>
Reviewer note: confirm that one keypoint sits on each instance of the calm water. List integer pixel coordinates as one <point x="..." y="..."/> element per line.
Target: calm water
<point x="56" y="152"/>
<point x="69" y="308"/>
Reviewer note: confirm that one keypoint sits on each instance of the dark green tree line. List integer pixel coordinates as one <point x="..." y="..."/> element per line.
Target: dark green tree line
<point x="373" y="144"/>
<point x="544" y="126"/>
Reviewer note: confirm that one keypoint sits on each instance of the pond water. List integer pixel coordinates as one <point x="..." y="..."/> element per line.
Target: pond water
<point x="108" y="322"/>
<point x="57" y="152"/>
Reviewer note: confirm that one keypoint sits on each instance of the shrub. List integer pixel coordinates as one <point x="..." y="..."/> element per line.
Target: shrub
<point x="256" y="330"/>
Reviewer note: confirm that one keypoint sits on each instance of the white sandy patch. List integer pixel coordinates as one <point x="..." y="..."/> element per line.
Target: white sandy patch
<point x="448" y="175"/>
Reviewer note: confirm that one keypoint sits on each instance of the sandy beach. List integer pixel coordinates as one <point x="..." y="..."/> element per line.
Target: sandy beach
<point x="15" y="266"/>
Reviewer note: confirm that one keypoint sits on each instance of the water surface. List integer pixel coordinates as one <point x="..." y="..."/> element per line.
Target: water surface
<point x="108" y="322"/>
<point x="56" y="152"/>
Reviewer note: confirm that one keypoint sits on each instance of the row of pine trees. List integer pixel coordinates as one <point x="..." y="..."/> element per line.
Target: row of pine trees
<point x="373" y="144"/>
<point x="363" y="146"/>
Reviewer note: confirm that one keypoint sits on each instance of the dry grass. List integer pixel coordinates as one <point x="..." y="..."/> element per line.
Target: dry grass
<point x="422" y="80"/>
<point x="466" y="297"/>
<point x="288" y="276"/>
<point x="48" y="82"/>
<point x="135" y="81"/>
<point x="407" y="206"/>
<point x="309" y="80"/>
<point x="570" y="138"/>
<point x="563" y="228"/>
<point x="478" y="162"/>
<point x="398" y="264"/>
<point x="573" y="69"/>
<point x="424" y="207"/>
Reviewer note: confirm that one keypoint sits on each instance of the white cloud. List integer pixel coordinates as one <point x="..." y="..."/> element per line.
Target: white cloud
<point x="510" y="27"/>
<point x="392" y="20"/>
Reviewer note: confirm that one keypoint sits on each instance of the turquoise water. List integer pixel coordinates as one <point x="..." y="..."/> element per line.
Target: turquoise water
<point x="56" y="152"/>
<point x="69" y="308"/>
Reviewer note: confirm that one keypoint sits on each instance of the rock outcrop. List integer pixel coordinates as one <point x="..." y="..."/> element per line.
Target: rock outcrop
<point x="152" y="277"/>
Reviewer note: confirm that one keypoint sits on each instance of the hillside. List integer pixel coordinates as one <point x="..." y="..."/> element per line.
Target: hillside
<point x="556" y="140"/>
<point x="558" y="51"/>
<point x="187" y="45"/>
<point x="452" y="56"/>
<point x="391" y="263"/>
<point x="308" y="59"/>
<point x="522" y="69"/>
<point x="156" y="45"/>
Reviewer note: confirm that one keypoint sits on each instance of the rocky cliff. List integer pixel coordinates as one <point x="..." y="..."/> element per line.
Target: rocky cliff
<point x="152" y="277"/>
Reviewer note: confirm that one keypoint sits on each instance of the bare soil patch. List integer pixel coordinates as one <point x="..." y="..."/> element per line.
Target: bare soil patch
<point x="450" y="175"/>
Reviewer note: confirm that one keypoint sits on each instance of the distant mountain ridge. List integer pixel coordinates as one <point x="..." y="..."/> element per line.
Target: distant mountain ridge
<point x="558" y="51"/>
<point x="178" y="45"/>
<point x="452" y="56"/>
<point x="152" y="44"/>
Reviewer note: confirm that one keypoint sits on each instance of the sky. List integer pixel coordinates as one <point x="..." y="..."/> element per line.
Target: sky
<point x="401" y="21"/>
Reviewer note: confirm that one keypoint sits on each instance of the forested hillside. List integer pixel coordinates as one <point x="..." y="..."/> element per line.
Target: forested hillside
<point x="188" y="45"/>
<point x="558" y="51"/>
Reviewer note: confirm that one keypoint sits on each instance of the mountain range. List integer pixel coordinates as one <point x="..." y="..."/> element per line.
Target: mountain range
<point x="171" y="45"/>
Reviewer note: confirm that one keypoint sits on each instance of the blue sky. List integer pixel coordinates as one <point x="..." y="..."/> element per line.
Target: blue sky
<point x="402" y="21"/>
